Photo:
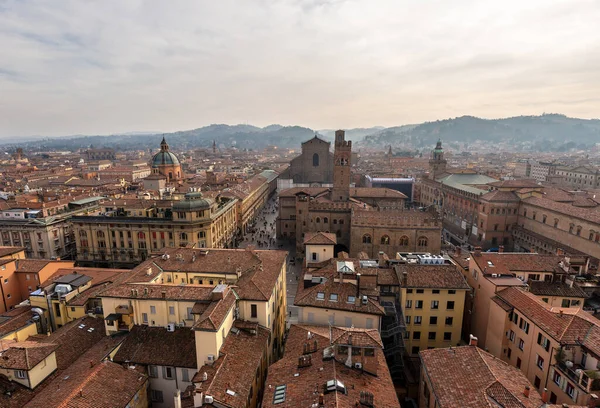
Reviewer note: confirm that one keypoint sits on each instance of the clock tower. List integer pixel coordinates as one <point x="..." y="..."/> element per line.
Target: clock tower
<point x="437" y="163"/>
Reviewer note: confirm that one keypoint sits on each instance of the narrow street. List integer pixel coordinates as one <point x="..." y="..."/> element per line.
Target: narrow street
<point x="263" y="237"/>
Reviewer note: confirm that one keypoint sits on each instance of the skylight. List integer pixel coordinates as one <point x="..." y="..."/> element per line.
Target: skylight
<point x="333" y="297"/>
<point x="320" y="295"/>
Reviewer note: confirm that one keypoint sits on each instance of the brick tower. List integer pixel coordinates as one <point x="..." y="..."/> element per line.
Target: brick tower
<point x="341" y="167"/>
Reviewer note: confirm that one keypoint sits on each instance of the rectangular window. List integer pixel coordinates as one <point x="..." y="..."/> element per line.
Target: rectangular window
<point x="253" y="311"/>
<point x="435" y="304"/>
<point x="418" y="319"/>
<point x="419" y="304"/>
<point x="518" y="362"/>
<point x="407" y="319"/>
<point x="408" y="304"/>
<point x="171" y="310"/>
<point x="432" y="320"/>
<point x="145" y="318"/>
<point x="369" y="323"/>
<point x="416" y="335"/>
<point x="452" y="292"/>
<point x="556" y="378"/>
<point x="407" y="334"/>
<point x="447" y="336"/>
<point x="431" y="335"/>
<point x="152" y="371"/>
<point x="415" y="350"/>
<point x="450" y="305"/>
<point x="449" y="321"/>
<point x="185" y="375"/>
<point x="539" y="362"/>
<point x="20" y="374"/>
<point x="509" y="353"/>
<point x="570" y="390"/>
<point x="156" y="396"/>
<point x="521" y="344"/>
<point x="152" y="309"/>
<point x="435" y="291"/>
<point x="189" y="316"/>
<point x="511" y="336"/>
<point x="420" y="290"/>
<point x="168" y="373"/>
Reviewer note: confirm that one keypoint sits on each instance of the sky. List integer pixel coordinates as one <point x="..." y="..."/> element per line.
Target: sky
<point x="103" y="67"/>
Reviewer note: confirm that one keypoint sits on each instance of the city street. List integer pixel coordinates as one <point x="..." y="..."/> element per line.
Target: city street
<point x="263" y="237"/>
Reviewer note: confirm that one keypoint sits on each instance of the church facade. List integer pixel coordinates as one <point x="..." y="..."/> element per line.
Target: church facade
<point x="313" y="166"/>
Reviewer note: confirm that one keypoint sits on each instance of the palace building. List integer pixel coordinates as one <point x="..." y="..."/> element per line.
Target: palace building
<point x="366" y="220"/>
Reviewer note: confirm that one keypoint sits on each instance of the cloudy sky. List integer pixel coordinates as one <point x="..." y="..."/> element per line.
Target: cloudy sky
<point x="100" y="67"/>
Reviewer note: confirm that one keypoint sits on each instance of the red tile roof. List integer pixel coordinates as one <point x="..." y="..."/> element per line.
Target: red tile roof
<point x="431" y="276"/>
<point x="177" y="349"/>
<point x="468" y="377"/>
<point x="305" y="384"/>
<point x="319" y="238"/>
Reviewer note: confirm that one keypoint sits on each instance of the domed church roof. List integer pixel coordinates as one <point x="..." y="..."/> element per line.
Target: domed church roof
<point x="164" y="157"/>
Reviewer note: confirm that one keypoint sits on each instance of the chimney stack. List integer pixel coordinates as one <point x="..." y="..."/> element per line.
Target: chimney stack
<point x="321" y="400"/>
<point x="500" y="249"/>
<point x="357" y="285"/>
<point x="472" y="340"/>
<point x="526" y="391"/>
<point x="477" y="251"/>
<point x="545" y="396"/>
<point x="457" y="250"/>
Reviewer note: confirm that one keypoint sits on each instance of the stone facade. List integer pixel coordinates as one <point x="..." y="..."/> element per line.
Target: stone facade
<point x="314" y="165"/>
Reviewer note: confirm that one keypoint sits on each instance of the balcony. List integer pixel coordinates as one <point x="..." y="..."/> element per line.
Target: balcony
<point x="579" y="376"/>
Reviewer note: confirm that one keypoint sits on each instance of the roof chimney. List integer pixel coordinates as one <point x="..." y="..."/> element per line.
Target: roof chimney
<point x="457" y="250"/>
<point x="545" y="395"/>
<point x="357" y="284"/>
<point x="472" y="340"/>
<point x="321" y="400"/>
<point x="500" y="249"/>
<point x="477" y="251"/>
<point x="526" y="391"/>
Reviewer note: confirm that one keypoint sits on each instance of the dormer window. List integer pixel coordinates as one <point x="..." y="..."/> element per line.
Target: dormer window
<point x="320" y="296"/>
<point x="335" y="385"/>
<point x="351" y="299"/>
<point x="333" y="297"/>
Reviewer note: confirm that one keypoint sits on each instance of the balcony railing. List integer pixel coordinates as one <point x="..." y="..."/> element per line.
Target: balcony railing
<point x="578" y="375"/>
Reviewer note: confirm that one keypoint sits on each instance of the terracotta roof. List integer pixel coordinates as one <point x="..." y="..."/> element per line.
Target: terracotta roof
<point x="308" y="297"/>
<point x="304" y="384"/>
<point x="567" y="327"/>
<point x="468" y="377"/>
<point x="24" y="355"/>
<point x="31" y="265"/>
<point x="387" y="277"/>
<point x="215" y="314"/>
<point x="7" y="250"/>
<point x="356" y="337"/>
<point x="155" y="291"/>
<point x="500" y="196"/>
<point x="102" y="385"/>
<point x="584" y="213"/>
<point x="513" y="262"/>
<point x="73" y="340"/>
<point x="235" y="369"/>
<point x="177" y="349"/>
<point x="319" y="238"/>
<point x="15" y="319"/>
<point x="431" y="276"/>
<point x="542" y="288"/>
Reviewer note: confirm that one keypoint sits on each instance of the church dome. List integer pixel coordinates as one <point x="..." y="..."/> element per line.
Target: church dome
<point x="164" y="157"/>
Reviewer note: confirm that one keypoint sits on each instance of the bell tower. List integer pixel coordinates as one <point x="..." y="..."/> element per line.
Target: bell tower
<point x="341" y="167"/>
<point x="437" y="163"/>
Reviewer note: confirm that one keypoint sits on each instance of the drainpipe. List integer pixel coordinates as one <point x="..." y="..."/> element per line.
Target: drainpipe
<point x="2" y="290"/>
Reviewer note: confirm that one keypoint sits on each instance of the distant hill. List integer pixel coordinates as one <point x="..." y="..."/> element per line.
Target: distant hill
<point x="548" y="132"/>
<point x="545" y="132"/>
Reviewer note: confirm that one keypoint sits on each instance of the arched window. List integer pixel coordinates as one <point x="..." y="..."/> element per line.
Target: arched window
<point x="316" y="160"/>
<point x="183" y="236"/>
<point x="325" y="220"/>
<point x="335" y="221"/>
<point x="82" y="233"/>
<point x="578" y="230"/>
<point x="338" y="233"/>
<point x="591" y="235"/>
<point x="404" y="240"/>
<point x="385" y="240"/>
<point x="422" y="242"/>
<point x="100" y="234"/>
<point x="366" y="239"/>
<point x="318" y="220"/>
<point x="141" y="235"/>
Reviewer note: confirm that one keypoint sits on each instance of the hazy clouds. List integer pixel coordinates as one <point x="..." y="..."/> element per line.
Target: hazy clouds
<point x="71" y="67"/>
